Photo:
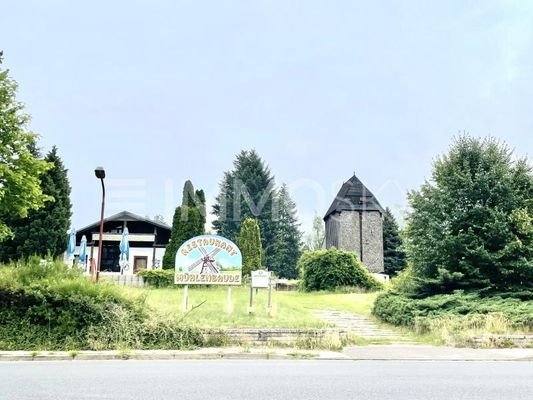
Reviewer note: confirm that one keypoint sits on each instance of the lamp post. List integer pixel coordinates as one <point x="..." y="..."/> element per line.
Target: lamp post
<point x="100" y="174"/>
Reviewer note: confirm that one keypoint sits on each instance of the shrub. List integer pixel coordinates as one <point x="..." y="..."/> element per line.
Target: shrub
<point x="332" y="268"/>
<point x="45" y="306"/>
<point x="158" y="278"/>
<point x="398" y="309"/>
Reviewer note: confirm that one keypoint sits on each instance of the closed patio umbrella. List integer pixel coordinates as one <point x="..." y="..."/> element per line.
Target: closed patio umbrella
<point x="71" y="246"/>
<point x="83" y="252"/>
<point x="124" y="247"/>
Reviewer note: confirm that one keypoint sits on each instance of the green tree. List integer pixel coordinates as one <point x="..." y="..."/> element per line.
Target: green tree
<point x="247" y="191"/>
<point x="187" y="223"/>
<point x="394" y="255"/>
<point x="20" y="169"/>
<point x="201" y="205"/>
<point x="287" y="238"/>
<point x="44" y="231"/>
<point x="471" y="226"/>
<point x="249" y="241"/>
<point x="316" y="240"/>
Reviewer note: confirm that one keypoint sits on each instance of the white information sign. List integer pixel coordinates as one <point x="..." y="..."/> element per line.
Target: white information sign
<point x="260" y="279"/>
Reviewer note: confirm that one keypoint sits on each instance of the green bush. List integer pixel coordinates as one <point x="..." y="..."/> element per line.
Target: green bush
<point x="158" y="278"/>
<point x="332" y="268"/>
<point x="398" y="309"/>
<point x="45" y="306"/>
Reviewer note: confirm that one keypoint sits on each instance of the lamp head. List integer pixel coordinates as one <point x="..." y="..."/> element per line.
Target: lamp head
<point x="99" y="172"/>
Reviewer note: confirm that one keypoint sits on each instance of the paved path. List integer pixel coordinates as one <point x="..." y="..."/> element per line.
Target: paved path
<point x="436" y="353"/>
<point x="262" y="380"/>
<point x="360" y="326"/>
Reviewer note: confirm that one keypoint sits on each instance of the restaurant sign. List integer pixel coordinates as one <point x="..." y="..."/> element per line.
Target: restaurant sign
<point x="208" y="260"/>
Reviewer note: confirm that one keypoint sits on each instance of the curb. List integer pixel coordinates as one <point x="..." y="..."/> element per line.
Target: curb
<point x="363" y="353"/>
<point x="171" y="355"/>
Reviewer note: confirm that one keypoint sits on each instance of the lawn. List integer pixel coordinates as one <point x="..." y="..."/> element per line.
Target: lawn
<point x="290" y="309"/>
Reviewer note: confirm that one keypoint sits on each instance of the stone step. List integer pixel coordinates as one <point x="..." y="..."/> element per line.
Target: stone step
<point x="359" y="325"/>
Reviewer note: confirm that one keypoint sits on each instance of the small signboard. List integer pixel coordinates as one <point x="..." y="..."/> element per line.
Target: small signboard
<point x="260" y="279"/>
<point x="208" y="260"/>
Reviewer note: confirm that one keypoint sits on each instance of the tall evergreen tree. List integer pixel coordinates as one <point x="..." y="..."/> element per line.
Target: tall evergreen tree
<point x="201" y="205"/>
<point x="44" y="231"/>
<point x="249" y="241"/>
<point x="471" y="226"/>
<point x="189" y="197"/>
<point x="287" y="238"/>
<point x="394" y="255"/>
<point x="188" y="222"/>
<point x="20" y="169"/>
<point x="247" y="191"/>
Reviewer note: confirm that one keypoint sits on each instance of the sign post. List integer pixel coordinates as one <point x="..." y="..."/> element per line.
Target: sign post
<point x="261" y="280"/>
<point x="269" y="306"/>
<point x="186" y="298"/>
<point x="229" y="308"/>
<point x="251" y="305"/>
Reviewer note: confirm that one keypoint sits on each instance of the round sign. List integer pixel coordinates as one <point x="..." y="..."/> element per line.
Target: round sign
<point x="208" y="260"/>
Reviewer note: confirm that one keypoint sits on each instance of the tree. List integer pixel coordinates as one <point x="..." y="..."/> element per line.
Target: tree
<point x="394" y="255"/>
<point x="201" y="205"/>
<point x="287" y="238"/>
<point x="187" y="223"/>
<point x="194" y="198"/>
<point x="471" y="226"/>
<point x="43" y="232"/>
<point x="316" y="240"/>
<point x="249" y="241"/>
<point x="20" y="169"/>
<point x="247" y="191"/>
<point x="159" y="218"/>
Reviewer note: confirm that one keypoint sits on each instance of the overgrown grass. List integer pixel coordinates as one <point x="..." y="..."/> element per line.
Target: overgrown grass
<point x="290" y="309"/>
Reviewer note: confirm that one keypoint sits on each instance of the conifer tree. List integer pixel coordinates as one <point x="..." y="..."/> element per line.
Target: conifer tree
<point x="471" y="226"/>
<point x="394" y="255"/>
<point x="287" y="238"/>
<point x="249" y="241"/>
<point x="247" y="191"/>
<point x="188" y="222"/>
<point x="43" y="232"/>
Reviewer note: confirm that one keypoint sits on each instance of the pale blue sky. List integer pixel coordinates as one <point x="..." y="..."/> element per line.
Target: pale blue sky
<point x="163" y="91"/>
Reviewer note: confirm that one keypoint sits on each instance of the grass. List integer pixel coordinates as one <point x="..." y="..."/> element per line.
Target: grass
<point x="290" y="309"/>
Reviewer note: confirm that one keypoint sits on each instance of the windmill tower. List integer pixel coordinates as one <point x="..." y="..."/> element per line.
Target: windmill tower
<point x="354" y="222"/>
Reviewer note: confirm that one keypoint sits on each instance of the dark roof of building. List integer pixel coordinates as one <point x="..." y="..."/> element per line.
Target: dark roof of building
<point x="354" y="196"/>
<point x="127" y="216"/>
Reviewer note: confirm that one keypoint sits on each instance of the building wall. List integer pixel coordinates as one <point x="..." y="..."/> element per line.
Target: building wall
<point x="332" y="231"/>
<point x="134" y="252"/>
<point x="373" y="241"/>
<point x="344" y="232"/>
<point x="349" y="235"/>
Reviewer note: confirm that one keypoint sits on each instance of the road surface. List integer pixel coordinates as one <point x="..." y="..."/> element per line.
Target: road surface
<point x="258" y="380"/>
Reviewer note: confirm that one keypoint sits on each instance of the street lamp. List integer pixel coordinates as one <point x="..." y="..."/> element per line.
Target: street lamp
<point x="99" y="172"/>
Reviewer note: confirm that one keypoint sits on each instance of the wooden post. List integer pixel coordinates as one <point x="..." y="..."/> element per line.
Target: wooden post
<point x="186" y="298"/>
<point x="251" y="305"/>
<point x="229" y="308"/>
<point x="269" y="307"/>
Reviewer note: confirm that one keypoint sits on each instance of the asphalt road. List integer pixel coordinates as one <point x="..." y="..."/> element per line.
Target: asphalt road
<point x="257" y="380"/>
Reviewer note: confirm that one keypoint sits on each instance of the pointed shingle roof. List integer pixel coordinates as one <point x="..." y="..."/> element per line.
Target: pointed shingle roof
<point x="354" y="196"/>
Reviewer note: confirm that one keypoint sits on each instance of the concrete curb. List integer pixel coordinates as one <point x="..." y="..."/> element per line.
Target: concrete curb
<point x="201" y="354"/>
<point x="362" y="353"/>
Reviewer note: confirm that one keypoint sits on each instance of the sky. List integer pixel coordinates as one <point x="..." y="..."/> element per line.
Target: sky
<point x="163" y="91"/>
